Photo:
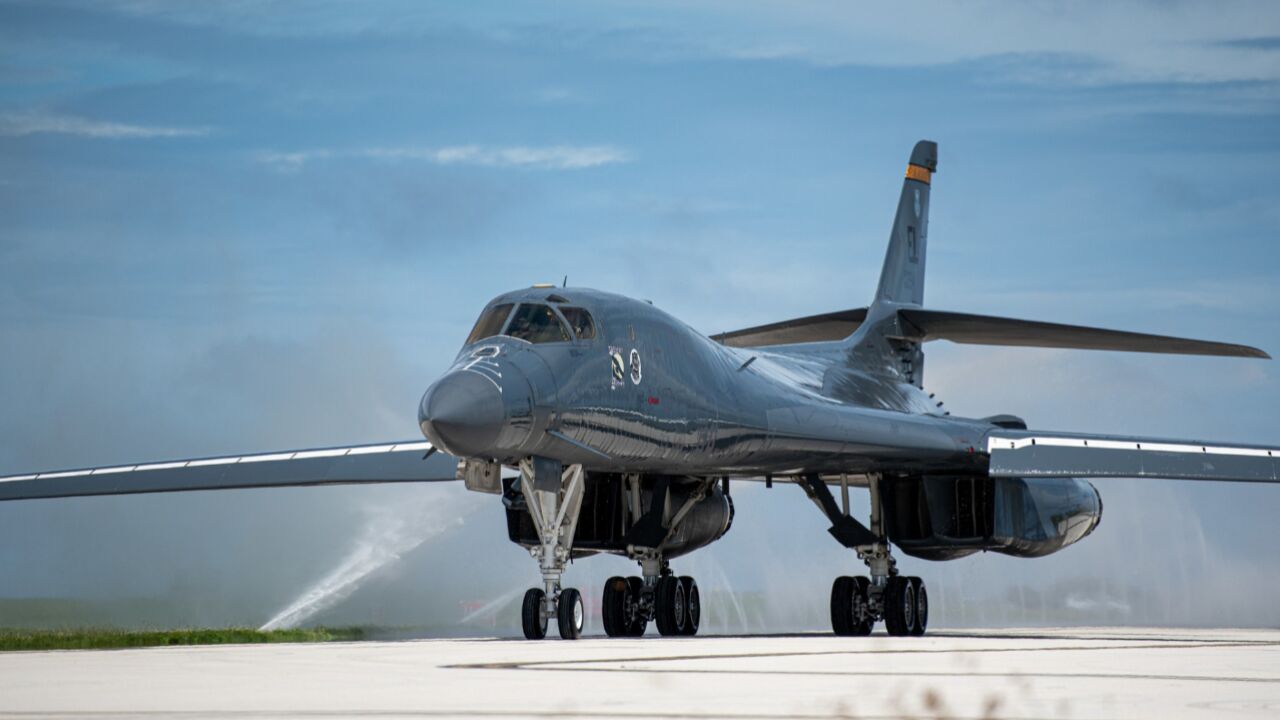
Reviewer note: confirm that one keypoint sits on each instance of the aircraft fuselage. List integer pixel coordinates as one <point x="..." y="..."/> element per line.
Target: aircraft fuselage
<point x="647" y="393"/>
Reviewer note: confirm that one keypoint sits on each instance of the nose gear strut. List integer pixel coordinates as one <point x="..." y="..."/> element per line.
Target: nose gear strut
<point x="554" y="496"/>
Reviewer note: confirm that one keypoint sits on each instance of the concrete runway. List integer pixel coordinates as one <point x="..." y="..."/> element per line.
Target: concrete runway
<point x="1077" y="673"/>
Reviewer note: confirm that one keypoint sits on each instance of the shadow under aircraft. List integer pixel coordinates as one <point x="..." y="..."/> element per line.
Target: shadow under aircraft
<point x="605" y="425"/>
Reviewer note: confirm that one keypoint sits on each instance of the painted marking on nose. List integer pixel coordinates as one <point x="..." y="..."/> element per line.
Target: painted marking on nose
<point x="483" y="365"/>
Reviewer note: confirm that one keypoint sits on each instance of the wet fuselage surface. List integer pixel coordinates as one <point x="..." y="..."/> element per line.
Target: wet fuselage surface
<point x="648" y="393"/>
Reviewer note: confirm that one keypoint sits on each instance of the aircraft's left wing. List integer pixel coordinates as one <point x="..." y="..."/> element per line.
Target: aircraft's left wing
<point x="814" y="328"/>
<point x="1019" y="453"/>
<point x="412" y="461"/>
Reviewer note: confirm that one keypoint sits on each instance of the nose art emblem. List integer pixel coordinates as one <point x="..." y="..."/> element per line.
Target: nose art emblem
<point x="619" y="367"/>
<point x="483" y="364"/>
<point x="635" y="367"/>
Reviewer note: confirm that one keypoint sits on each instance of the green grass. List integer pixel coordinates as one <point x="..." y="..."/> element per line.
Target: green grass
<point x="100" y="639"/>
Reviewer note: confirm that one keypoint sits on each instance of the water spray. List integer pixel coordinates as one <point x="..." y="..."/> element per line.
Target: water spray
<point x="389" y="534"/>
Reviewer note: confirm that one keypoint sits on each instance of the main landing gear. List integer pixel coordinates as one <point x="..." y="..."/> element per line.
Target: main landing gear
<point x="857" y="603"/>
<point x="630" y="603"/>
<point x="902" y="602"/>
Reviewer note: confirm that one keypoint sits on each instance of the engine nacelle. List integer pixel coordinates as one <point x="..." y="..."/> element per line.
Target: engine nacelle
<point x="607" y="515"/>
<point x="943" y="518"/>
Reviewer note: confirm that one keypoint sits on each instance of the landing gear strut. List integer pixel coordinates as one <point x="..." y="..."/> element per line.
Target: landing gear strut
<point x="857" y="603"/>
<point x="629" y="604"/>
<point x="554" y="496"/>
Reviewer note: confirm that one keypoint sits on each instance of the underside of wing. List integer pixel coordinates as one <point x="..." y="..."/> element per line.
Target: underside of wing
<point x="814" y="328"/>
<point x="923" y="325"/>
<point x="1039" y="454"/>
<point x="413" y="461"/>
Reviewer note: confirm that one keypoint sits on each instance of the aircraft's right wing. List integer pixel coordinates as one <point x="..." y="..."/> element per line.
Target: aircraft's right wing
<point x="1018" y="453"/>
<point x="412" y="461"/>
<point x="923" y="325"/>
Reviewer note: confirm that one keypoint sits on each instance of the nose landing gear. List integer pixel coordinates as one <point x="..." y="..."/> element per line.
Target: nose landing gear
<point x="554" y="496"/>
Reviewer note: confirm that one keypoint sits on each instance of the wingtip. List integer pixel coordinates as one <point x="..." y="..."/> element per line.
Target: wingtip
<point x="1250" y="352"/>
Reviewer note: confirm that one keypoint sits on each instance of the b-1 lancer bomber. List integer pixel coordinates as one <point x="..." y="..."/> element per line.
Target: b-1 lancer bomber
<point x="606" y="425"/>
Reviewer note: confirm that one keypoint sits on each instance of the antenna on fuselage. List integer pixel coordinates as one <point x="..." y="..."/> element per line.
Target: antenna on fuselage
<point x="565" y="284"/>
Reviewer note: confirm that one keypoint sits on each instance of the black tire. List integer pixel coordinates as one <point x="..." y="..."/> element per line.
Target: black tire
<point x="922" y="607"/>
<point x="842" y="605"/>
<point x="692" y="605"/>
<point x="531" y="618"/>
<point x="637" y="623"/>
<point x="862" y="619"/>
<point x="613" y="607"/>
<point x="899" y="606"/>
<point x="571" y="616"/>
<point x="669" y="608"/>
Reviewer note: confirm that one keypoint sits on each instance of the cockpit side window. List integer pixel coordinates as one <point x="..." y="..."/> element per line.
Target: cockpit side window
<point x="490" y="322"/>
<point x="580" y="320"/>
<point x="537" y="324"/>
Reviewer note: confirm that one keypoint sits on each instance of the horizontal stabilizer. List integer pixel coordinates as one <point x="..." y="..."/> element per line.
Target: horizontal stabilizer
<point x="814" y="328"/>
<point x="923" y="325"/>
<point x="1041" y="454"/>
<point x="414" y="461"/>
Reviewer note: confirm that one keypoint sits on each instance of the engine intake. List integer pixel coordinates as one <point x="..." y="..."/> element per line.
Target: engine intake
<point x="607" y="515"/>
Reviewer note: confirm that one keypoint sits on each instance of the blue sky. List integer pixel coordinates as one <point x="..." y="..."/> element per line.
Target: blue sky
<point x="251" y="225"/>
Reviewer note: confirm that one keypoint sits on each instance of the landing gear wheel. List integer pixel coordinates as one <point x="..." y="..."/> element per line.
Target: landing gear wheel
<point x="669" y="606"/>
<point x="531" y="617"/>
<point x="899" y="606"/>
<point x="637" y="621"/>
<point x="570" y="615"/>
<point x="842" y="605"/>
<point x="692" y="605"/>
<point x="613" y="607"/>
<point x="922" y="607"/>
<point x="851" y="606"/>
<point x="863" y="618"/>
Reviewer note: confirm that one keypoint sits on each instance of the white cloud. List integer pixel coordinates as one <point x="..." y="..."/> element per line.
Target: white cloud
<point x="291" y="161"/>
<point x="1082" y="43"/>
<point x="20" y="124"/>
<point x="548" y="157"/>
<point x="1079" y="43"/>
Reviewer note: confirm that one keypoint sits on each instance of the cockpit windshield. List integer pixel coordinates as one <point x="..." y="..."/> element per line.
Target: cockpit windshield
<point x="537" y="324"/>
<point x="580" y="321"/>
<point x="490" y="322"/>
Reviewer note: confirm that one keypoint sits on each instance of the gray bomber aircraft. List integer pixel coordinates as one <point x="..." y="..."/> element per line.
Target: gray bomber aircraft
<point x="623" y="427"/>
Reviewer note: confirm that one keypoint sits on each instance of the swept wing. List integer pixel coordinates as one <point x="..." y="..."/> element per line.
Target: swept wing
<point x="921" y="325"/>
<point x="410" y="461"/>
<point x="813" y="328"/>
<point x="1048" y="454"/>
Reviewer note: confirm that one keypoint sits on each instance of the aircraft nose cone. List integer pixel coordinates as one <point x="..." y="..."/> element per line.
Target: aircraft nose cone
<point x="462" y="414"/>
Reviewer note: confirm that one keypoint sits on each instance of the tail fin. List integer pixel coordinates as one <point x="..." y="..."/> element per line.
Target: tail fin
<point x="902" y="279"/>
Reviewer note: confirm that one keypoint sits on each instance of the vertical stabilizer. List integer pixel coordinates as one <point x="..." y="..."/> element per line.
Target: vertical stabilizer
<point x="902" y="278"/>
